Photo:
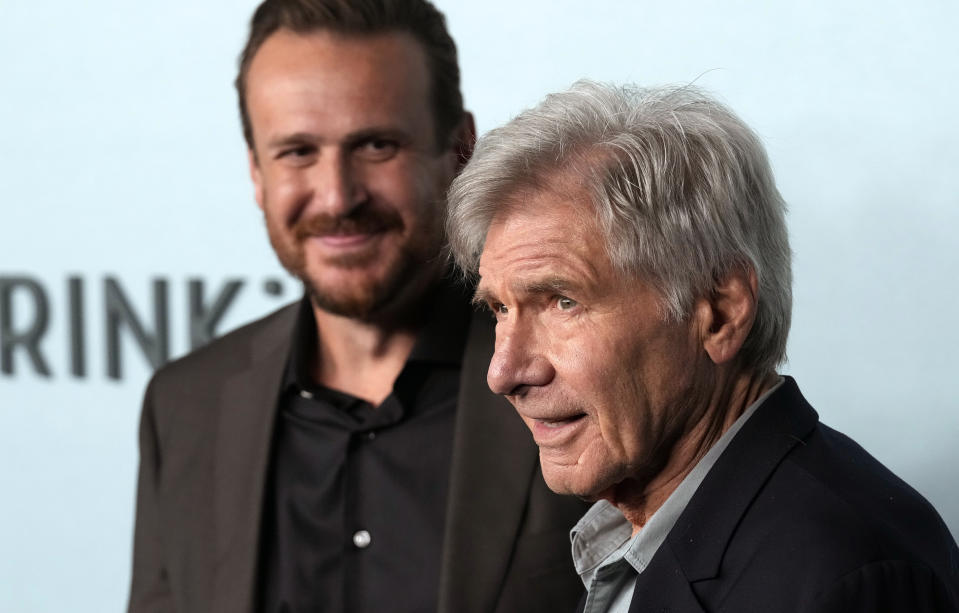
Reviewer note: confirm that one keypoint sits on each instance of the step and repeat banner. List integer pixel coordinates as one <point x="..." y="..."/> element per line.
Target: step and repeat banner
<point x="129" y="234"/>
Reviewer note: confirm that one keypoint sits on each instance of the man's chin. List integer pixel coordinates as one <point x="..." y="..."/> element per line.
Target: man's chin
<point x="355" y="301"/>
<point x="563" y="478"/>
<point x="360" y="286"/>
<point x="360" y="293"/>
<point x="578" y="479"/>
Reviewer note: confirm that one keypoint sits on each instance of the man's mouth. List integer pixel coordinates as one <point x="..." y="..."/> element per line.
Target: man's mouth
<point x="556" y="432"/>
<point x="345" y="240"/>
<point x="559" y="423"/>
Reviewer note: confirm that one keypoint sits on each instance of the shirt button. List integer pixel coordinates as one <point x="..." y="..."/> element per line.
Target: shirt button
<point x="362" y="539"/>
<point x="371" y="435"/>
<point x="306" y="394"/>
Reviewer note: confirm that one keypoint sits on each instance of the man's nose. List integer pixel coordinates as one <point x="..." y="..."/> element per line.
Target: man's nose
<point x="339" y="186"/>
<point x="517" y="365"/>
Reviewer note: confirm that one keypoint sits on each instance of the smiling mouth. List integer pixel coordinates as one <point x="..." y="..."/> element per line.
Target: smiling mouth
<point x="346" y="240"/>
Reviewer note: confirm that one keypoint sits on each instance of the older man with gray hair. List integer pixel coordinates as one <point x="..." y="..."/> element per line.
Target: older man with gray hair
<point x="632" y="246"/>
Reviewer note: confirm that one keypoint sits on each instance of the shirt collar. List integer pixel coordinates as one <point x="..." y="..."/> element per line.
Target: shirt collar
<point x="440" y="341"/>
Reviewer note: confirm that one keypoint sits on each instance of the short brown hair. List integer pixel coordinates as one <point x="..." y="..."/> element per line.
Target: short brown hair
<point x="365" y="17"/>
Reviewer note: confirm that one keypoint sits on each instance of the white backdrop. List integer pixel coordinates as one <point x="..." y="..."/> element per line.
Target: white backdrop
<point x="122" y="163"/>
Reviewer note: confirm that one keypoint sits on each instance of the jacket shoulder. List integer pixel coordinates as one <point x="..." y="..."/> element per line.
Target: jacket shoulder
<point x="837" y="474"/>
<point x="182" y="394"/>
<point x="231" y="350"/>
<point x="831" y="513"/>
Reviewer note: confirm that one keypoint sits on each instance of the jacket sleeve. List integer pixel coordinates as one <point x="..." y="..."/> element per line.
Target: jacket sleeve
<point x="887" y="585"/>
<point x="149" y="588"/>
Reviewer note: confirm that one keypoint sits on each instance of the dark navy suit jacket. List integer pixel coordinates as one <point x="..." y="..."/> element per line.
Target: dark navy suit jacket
<point x="796" y="517"/>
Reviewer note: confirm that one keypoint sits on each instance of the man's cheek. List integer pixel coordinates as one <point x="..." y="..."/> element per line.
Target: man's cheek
<point x="615" y="430"/>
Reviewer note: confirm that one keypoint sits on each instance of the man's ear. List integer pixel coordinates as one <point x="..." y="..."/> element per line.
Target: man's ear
<point x="728" y="313"/>
<point x="465" y="140"/>
<point x="256" y="175"/>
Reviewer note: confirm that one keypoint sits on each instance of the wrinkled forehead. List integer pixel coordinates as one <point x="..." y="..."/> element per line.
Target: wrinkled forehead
<point x="556" y="214"/>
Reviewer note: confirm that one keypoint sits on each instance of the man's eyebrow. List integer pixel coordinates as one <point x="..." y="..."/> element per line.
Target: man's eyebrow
<point x="550" y="285"/>
<point x="375" y="132"/>
<point x="481" y="297"/>
<point x="352" y="139"/>
<point x="297" y="138"/>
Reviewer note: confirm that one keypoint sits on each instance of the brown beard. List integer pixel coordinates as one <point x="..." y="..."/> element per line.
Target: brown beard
<point x="362" y="221"/>
<point x="363" y="303"/>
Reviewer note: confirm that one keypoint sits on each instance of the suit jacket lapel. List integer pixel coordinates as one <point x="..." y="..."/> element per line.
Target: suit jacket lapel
<point x="246" y="416"/>
<point x="493" y="463"/>
<point x="663" y="587"/>
<point x="694" y="548"/>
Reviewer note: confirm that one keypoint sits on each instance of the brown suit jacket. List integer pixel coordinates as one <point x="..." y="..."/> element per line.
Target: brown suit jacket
<point x="205" y="438"/>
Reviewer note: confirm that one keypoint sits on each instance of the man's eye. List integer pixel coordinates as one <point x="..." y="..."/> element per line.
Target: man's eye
<point x="378" y="149"/>
<point x="296" y="152"/>
<point x="565" y="303"/>
<point x="500" y="309"/>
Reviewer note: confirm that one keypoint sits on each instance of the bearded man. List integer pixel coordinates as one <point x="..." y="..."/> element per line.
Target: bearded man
<point x="339" y="455"/>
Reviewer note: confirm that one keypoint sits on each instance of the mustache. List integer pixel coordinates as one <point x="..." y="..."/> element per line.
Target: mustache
<point x="361" y="221"/>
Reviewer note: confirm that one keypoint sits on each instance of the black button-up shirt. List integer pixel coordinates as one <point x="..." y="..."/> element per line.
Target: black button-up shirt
<point x="356" y="503"/>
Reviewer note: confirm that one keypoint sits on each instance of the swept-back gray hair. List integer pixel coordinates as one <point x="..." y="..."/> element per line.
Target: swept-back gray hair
<point x="681" y="187"/>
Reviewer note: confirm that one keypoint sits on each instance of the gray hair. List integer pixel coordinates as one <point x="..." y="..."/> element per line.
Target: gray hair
<point x="682" y="190"/>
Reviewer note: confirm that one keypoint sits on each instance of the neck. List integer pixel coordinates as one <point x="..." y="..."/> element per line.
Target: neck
<point x="724" y="403"/>
<point x="364" y="357"/>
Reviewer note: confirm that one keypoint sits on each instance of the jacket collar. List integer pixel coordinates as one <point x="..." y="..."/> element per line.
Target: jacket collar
<point x="246" y="410"/>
